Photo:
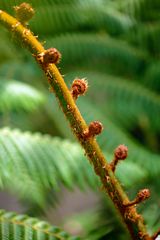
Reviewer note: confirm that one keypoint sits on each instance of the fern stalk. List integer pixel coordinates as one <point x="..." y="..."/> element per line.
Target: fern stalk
<point x="133" y="221"/>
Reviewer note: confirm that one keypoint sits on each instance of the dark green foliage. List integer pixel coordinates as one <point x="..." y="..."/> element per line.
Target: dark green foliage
<point x="115" y="45"/>
<point x="102" y="51"/>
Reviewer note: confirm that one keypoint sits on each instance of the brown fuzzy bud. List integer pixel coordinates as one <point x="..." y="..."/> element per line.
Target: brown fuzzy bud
<point x="24" y="12"/>
<point x="143" y="194"/>
<point x="95" y="128"/>
<point x="79" y="87"/>
<point x="51" y="55"/>
<point x="121" y="152"/>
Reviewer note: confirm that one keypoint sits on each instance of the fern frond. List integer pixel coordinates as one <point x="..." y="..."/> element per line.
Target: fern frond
<point x="22" y="227"/>
<point x="106" y="15"/>
<point x="8" y="6"/>
<point x="62" y="18"/>
<point x="16" y="95"/>
<point x="114" y="134"/>
<point x="7" y="49"/>
<point x="152" y="77"/>
<point x="143" y="10"/>
<point x="39" y="162"/>
<point x="145" y="36"/>
<point x="111" y="20"/>
<point x="86" y="49"/>
<point x="15" y="70"/>
<point x="124" y="99"/>
<point x="33" y="164"/>
<point x="57" y="19"/>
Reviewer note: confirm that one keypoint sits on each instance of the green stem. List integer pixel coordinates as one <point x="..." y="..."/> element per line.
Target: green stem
<point x="134" y="221"/>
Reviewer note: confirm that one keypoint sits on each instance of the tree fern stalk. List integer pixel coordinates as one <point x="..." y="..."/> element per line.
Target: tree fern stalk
<point x="134" y="222"/>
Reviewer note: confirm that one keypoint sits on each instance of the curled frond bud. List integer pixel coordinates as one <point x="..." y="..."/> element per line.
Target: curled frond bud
<point x="121" y="152"/>
<point x="79" y="87"/>
<point x="51" y="55"/>
<point x="143" y="194"/>
<point x="24" y="12"/>
<point x="95" y="128"/>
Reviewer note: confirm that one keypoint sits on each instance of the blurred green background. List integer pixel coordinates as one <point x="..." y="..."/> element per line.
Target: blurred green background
<point x="115" y="45"/>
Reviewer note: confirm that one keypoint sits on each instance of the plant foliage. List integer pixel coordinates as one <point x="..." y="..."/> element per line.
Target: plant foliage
<point x="115" y="45"/>
<point x="17" y="227"/>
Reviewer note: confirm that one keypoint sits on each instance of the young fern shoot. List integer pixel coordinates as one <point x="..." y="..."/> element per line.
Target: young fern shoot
<point x="86" y="135"/>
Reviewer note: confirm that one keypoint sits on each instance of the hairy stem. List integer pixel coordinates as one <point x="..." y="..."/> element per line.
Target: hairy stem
<point x="133" y="221"/>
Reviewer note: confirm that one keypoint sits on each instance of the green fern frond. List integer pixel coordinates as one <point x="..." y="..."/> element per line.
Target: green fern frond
<point x="124" y="99"/>
<point x="111" y="20"/>
<point x="152" y="77"/>
<point x="106" y="16"/>
<point x="15" y="70"/>
<point x="62" y="18"/>
<point x="16" y="95"/>
<point x="40" y="163"/>
<point x="8" y="6"/>
<point x="7" y="48"/>
<point x="115" y="135"/>
<point x="22" y="227"/>
<point x="33" y="164"/>
<point x="143" y="10"/>
<point x="57" y="19"/>
<point x="146" y="36"/>
<point x="85" y="49"/>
